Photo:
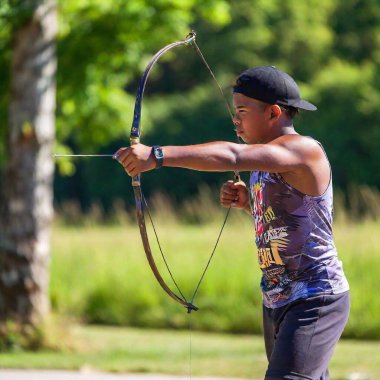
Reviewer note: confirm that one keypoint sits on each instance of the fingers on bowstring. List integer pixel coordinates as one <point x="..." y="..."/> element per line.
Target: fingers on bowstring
<point x="228" y="187"/>
<point x="228" y="199"/>
<point x="229" y="191"/>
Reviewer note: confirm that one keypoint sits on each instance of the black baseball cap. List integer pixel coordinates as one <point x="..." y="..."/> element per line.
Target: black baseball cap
<point x="271" y="85"/>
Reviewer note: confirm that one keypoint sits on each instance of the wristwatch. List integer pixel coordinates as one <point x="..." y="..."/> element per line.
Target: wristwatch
<point x="158" y="155"/>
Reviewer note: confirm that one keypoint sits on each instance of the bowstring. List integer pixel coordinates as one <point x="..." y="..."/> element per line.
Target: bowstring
<point x="159" y="246"/>
<point x="190" y="348"/>
<point x="237" y="177"/>
<point x="236" y="173"/>
<point x="211" y="256"/>
<point x="214" y="77"/>
<point x="227" y="104"/>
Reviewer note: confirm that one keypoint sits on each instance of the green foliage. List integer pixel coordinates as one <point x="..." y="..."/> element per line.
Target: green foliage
<point x="331" y="47"/>
<point x="110" y="44"/>
<point x="351" y="142"/>
<point x="357" y="30"/>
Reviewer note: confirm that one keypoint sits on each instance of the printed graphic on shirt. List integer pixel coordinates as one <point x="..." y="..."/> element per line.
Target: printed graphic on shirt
<point x="258" y="209"/>
<point x="268" y="241"/>
<point x="294" y="241"/>
<point x="275" y="234"/>
<point x="275" y="278"/>
<point x="269" y="256"/>
<point x="263" y="216"/>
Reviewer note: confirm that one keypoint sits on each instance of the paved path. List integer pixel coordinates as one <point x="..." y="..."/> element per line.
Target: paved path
<point x="18" y="374"/>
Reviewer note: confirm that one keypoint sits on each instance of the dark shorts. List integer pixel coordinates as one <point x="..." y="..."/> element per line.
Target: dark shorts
<point x="300" y="337"/>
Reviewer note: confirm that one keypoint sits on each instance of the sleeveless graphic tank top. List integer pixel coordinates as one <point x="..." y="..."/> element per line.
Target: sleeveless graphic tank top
<point x="296" y="251"/>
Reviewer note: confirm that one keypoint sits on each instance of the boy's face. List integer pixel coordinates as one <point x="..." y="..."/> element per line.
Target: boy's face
<point x="252" y="119"/>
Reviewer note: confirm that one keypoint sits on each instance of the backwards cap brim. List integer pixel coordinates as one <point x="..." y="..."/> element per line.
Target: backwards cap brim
<point x="305" y="105"/>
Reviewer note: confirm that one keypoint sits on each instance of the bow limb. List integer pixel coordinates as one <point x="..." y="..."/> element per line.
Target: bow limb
<point x="144" y="236"/>
<point x="135" y="139"/>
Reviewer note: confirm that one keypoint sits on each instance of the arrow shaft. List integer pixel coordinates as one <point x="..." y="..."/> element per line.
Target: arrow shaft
<point x="83" y="155"/>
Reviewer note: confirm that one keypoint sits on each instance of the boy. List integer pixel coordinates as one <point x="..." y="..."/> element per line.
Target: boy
<point x="305" y="292"/>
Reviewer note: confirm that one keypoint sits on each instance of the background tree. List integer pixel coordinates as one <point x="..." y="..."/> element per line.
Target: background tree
<point x="27" y="209"/>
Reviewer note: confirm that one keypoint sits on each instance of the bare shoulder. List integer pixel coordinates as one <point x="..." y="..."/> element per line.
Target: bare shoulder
<point x="306" y="147"/>
<point x="313" y="174"/>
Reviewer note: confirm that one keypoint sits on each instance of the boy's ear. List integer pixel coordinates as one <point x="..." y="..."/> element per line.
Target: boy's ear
<point x="275" y="111"/>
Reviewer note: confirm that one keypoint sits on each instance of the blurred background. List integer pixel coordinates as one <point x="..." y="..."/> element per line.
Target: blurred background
<point x="69" y="246"/>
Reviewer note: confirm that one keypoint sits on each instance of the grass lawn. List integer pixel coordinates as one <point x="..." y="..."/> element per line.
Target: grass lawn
<point x="99" y="274"/>
<point x="121" y="349"/>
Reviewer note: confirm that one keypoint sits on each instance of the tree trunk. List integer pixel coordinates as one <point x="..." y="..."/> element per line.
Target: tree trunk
<point x="27" y="206"/>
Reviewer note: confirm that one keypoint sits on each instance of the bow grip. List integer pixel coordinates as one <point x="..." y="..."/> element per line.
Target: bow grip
<point x="136" y="179"/>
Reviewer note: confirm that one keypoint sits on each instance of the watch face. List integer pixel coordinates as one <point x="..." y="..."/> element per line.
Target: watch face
<point x="158" y="153"/>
